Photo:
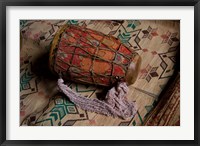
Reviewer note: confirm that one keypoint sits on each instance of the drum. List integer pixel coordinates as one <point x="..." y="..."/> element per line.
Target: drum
<point x="86" y="56"/>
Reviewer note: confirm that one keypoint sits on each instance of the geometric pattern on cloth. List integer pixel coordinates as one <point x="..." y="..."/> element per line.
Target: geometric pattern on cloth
<point x="167" y="112"/>
<point x="155" y="41"/>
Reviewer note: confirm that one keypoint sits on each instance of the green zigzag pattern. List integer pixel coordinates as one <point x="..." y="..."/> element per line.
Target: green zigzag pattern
<point x="124" y="37"/>
<point x="72" y="22"/>
<point x="133" y="24"/>
<point x="25" y="79"/>
<point x="58" y="112"/>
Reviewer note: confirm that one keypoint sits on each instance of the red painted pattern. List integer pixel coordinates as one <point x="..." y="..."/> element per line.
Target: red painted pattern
<point x="88" y="56"/>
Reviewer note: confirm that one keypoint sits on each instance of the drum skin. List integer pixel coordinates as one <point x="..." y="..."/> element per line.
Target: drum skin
<point x="87" y="56"/>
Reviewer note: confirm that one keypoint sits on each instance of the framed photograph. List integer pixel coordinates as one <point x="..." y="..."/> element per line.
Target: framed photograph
<point x="99" y="72"/>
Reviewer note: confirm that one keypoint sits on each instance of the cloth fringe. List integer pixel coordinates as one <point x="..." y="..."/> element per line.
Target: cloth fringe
<point x="115" y="103"/>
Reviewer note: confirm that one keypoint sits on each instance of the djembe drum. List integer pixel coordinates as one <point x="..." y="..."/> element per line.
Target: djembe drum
<point x="90" y="57"/>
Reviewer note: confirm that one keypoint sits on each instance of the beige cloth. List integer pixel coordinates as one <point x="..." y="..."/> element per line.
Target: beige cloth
<point x="40" y="103"/>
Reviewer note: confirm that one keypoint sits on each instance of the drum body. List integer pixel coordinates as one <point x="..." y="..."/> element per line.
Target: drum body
<point x="87" y="56"/>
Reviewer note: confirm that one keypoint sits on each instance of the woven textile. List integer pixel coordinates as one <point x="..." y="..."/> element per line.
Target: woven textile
<point x="167" y="112"/>
<point x="41" y="103"/>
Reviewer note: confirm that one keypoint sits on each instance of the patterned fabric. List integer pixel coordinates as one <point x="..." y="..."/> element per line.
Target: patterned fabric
<point x="40" y="102"/>
<point x="167" y="112"/>
<point x="88" y="56"/>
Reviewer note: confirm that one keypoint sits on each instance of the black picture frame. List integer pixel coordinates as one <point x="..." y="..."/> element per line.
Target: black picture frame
<point x="5" y="3"/>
